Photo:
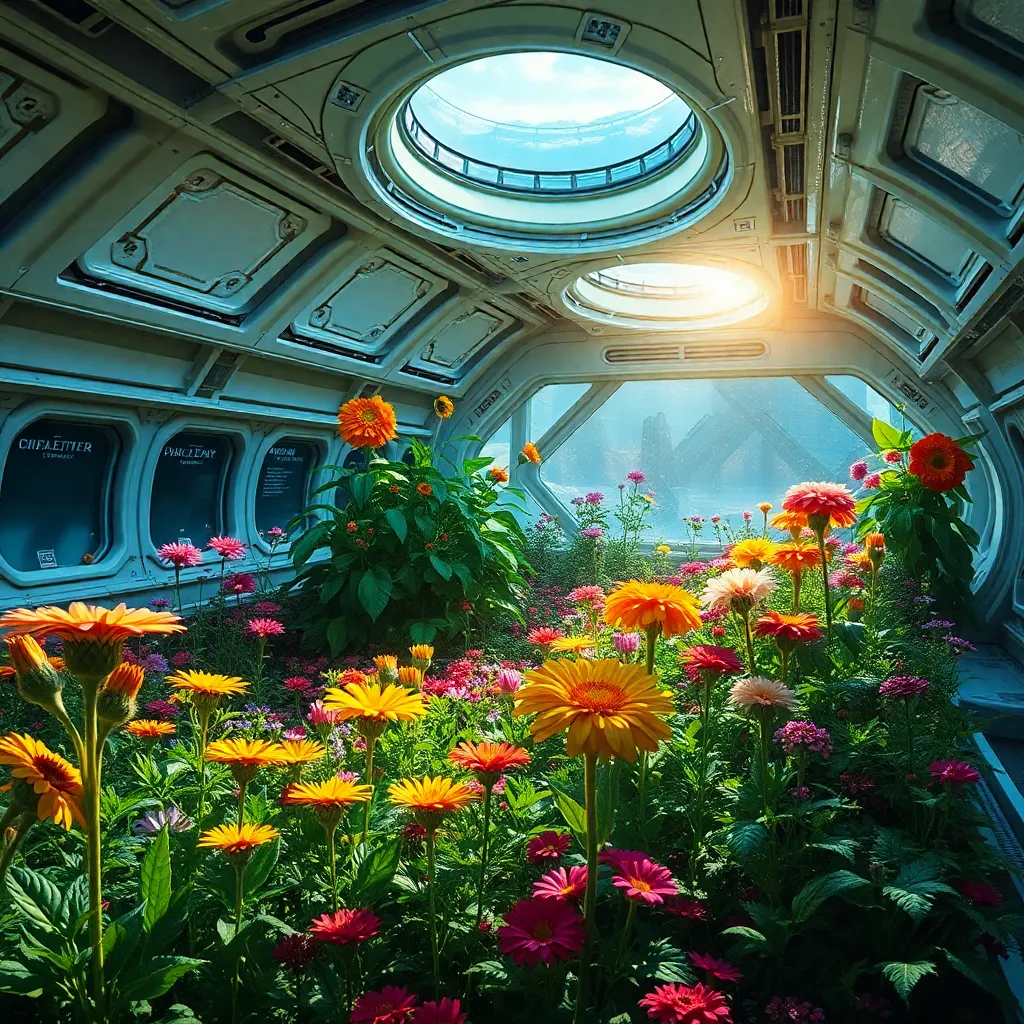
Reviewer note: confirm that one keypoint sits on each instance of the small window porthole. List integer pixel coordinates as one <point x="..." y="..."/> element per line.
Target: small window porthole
<point x="282" y="490"/>
<point x="55" y="498"/>
<point x="189" y="485"/>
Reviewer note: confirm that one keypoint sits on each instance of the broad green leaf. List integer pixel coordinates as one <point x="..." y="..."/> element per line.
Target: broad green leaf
<point x="374" y="872"/>
<point x="262" y="862"/>
<point x="337" y="634"/>
<point x="817" y="890"/>
<point x="158" y="975"/>
<point x="575" y="815"/>
<point x="422" y="633"/>
<point x="844" y="847"/>
<point x="906" y="976"/>
<point x="916" y="887"/>
<point x="361" y="486"/>
<point x="470" y="466"/>
<point x="155" y="880"/>
<point x="20" y="980"/>
<point x="375" y="590"/>
<point x="441" y="567"/>
<point x="884" y="435"/>
<point x="304" y="546"/>
<point x="745" y="837"/>
<point x="662" y="961"/>
<point x="35" y="896"/>
<point x="465" y="576"/>
<point x="397" y="522"/>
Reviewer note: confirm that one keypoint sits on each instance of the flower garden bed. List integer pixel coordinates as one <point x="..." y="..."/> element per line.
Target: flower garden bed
<point x="732" y="790"/>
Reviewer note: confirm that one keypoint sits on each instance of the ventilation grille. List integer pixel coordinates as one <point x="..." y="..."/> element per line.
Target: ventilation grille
<point x="79" y="15"/>
<point x="719" y="350"/>
<point x="789" y="55"/>
<point x="652" y="353"/>
<point x="789" y="8"/>
<point x="793" y="268"/>
<point x="1003" y="306"/>
<point x="793" y="169"/>
<point x="326" y="346"/>
<point x="219" y="374"/>
<point x="437" y="378"/>
<point x="295" y="155"/>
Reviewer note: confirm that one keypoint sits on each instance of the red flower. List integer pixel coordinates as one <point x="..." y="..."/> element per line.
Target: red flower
<point x="229" y="548"/>
<point x="539" y="930"/>
<point x="297" y="683"/>
<point x="981" y="894"/>
<point x="903" y="687"/>
<point x="296" y="951"/>
<point x="542" y="636"/>
<point x="706" y="659"/>
<point x="799" y="628"/>
<point x="953" y="772"/>
<point x="721" y="969"/>
<point x="345" y="927"/>
<point x="940" y="462"/>
<point x="447" y="1011"/>
<point x="391" y="1005"/>
<point x="547" y="846"/>
<point x="560" y="884"/>
<point x="682" y="907"/>
<point x="488" y="760"/>
<point x="831" y="503"/>
<point x="643" y="880"/>
<point x="264" y="628"/>
<point x="681" y="1004"/>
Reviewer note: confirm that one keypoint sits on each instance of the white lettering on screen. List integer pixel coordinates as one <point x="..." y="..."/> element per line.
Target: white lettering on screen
<point x="190" y="453"/>
<point x="53" y="444"/>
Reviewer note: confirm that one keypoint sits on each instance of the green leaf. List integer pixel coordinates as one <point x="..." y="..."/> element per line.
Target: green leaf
<point x="465" y="576"/>
<point x="884" y="435"/>
<point x="662" y="961"/>
<point x="852" y="636"/>
<point x="19" y="980"/>
<point x="155" y="880"/>
<point x="916" y="887"/>
<point x="303" y="548"/>
<point x="906" y="976"/>
<point x="441" y="567"/>
<point x="744" y="932"/>
<point x="262" y="862"/>
<point x="470" y="466"/>
<point x="817" y="890"/>
<point x="337" y="634"/>
<point x="158" y="975"/>
<point x="397" y="522"/>
<point x="844" y="847"/>
<point x="575" y="816"/>
<point x="422" y="632"/>
<point x="361" y="487"/>
<point x="374" y="872"/>
<point x="982" y="973"/>
<point x="745" y="838"/>
<point x="35" y="896"/>
<point x="375" y="590"/>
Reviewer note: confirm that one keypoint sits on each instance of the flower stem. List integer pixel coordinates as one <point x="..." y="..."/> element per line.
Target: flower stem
<point x="239" y="889"/>
<point x="431" y="833"/>
<point x="370" y="741"/>
<point x="702" y="778"/>
<point x="204" y="725"/>
<point x="910" y="736"/>
<point x="590" y="899"/>
<point x="91" y="772"/>
<point x="765" y="722"/>
<point x="749" y="637"/>
<point x="334" y="867"/>
<point x="483" y="854"/>
<point x="242" y="786"/>
<point x="797" y="577"/>
<point x="824" y="579"/>
<point x="26" y="822"/>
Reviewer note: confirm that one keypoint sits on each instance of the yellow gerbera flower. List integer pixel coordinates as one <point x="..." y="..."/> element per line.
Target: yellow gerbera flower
<point x="607" y="708"/>
<point x="237" y="840"/>
<point x="443" y="406"/>
<point x="248" y="753"/>
<point x="206" y="688"/>
<point x="637" y="605"/>
<point x="374" y="706"/>
<point x="410" y="675"/>
<point x="300" y="752"/>
<point x="55" y="782"/>
<point x="331" y="793"/>
<point x="573" y="644"/>
<point x="430" y="799"/>
<point x="753" y="553"/>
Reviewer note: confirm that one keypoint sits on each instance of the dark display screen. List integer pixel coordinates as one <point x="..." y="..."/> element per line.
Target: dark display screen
<point x="283" y="486"/>
<point x="188" y="489"/>
<point x="55" y="495"/>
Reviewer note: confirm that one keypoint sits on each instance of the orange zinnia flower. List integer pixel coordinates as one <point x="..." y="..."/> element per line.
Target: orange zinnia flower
<point x="793" y="522"/>
<point x="530" y="453"/>
<point x="498" y="475"/>
<point x="606" y="708"/>
<point x="55" y="783"/>
<point x="367" y="422"/>
<point x="638" y="605"/>
<point x="488" y="760"/>
<point x="939" y="462"/>
<point x="150" y="729"/>
<point x="801" y="627"/>
<point x="859" y="560"/>
<point x="796" y="557"/>
<point x="425" y="489"/>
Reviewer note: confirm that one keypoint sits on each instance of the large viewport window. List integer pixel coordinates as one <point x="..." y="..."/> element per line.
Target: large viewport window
<point x="55" y="498"/>
<point x="283" y="486"/>
<point x="187" y="502"/>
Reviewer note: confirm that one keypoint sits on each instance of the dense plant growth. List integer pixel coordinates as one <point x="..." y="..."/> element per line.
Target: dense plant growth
<point x="732" y="790"/>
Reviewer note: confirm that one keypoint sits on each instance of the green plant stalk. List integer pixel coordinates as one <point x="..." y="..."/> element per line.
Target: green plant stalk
<point x="702" y="779"/>
<point x="797" y="576"/>
<point x="26" y="822"/>
<point x="590" y="898"/>
<point x="239" y="890"/>
<point x="820" y="534"/>
<point x="431" y="834"/>
<point x="91" y="778"/>
<point x="204" y="726"/>
<point x="483" y="854"/>
<point x="765" y="720"/>
<point x="624" y="940"/>
<point x="910" y="736"/>
<point x="177" y="586"/>
<point x="331" y="856"/>
<point x="784" y="658"/>
<point x="242" y="787"/>
<point x="748" y="636"/>
<point x="370" y="741"/>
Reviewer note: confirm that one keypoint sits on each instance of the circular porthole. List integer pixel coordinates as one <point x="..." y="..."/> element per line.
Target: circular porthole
<point x="668" y="296"/>
<point x="544" y="150"/>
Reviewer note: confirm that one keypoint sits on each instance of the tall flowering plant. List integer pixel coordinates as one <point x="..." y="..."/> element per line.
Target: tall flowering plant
<point x="916" y="498"/>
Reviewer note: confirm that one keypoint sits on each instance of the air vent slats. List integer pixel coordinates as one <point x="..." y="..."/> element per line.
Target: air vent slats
<point x="642" y="354"/>
<point x="721" y="350"/>
<point x="791" y="73"/>
<point x="654" y="353"/>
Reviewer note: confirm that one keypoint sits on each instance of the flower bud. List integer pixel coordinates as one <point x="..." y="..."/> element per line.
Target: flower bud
<point x="116" y="702"/>
<point x="855" y="608"/>
<point x="387" y="668"/>
<point x="38" y="681"/>
<point x="92" y="660"/>
<point x="410" y="675"/>
<point x="422" y="655"/>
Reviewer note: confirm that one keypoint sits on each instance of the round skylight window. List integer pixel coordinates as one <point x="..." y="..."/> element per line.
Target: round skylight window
<point x="545" y="150"/>
<point x="667" y="296"/>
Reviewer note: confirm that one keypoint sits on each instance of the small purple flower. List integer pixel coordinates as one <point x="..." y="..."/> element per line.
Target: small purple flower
<point x="626" y="643"/>
<point x="172" y="818"/>
<point x="578" y="500"/>
<point x="159" y="604"/>
<point x="595" y="498"/>
<point x="938" y="624"/>
<point x="155" y="663"/>
<point x="800" y="793"/>
<point x="276" y="533"/>
<point x="747" y="516"/>
<point x="622" y="487"/>
<point x="904" y="687"/>
<point x="592" y="532"/>
<point x="859" y="470"/>
<point x="958" y="644"/>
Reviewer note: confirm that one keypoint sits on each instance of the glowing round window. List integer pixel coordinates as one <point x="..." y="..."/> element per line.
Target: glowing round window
<point x="668" y="296"/>
<point x="547" y="123"/>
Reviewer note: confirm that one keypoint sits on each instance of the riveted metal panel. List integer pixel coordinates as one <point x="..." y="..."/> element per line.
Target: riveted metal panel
<point x="459" y="340"/>
<point x="965" y="144"/>
<point x="371" y="303"/>
<point x="915" y="232"/>
<point x="890" y="312"/>
<point x="1002" y="21"/>
<point x="209" y="236"/>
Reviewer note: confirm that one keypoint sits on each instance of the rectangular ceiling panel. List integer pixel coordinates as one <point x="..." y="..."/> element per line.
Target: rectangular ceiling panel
<point x="965" y="144"/>
<point x="1002" y="21"/>
<point x="911" y="230"/>
<point x="210" y="236"/>
<point x="456" y="343"/>
<point x="897" y="316"/>
<point x="370" y="305"/>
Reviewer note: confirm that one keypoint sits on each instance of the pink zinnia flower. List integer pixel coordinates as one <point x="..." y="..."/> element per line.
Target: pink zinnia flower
<point x="264" y="628"/>
<point x="953" y="772"/>
<point x="184" y="556"/>
<point x="391" y="1005"/>
<point x="872" y="482"/>
<point x="542" y="636"/>
<point x="626" y="643"/>
<point x="266" y="608"/>
<point x="591" y="595"/>
<point x="684" y="1004"/>
<point x="904" y="687"/>
<point x="299" y="684"/>
<point x="319" y="715"/>
<point x="547" y="846"/>
<point x="831" y="502"/>
<point x="345" y="927"/>
<point x="231" y="549"/>
<point x="804" y="736"/>
<point x="541" y="930"/>
<point x="447" y="1011"/>
<point x="562" y="884"/>
<point x="859" y="470"/>
<point x="683" y="907"/>
<point x="508" y="681"/>
<point x="276" y="533"/>
<point x="636" y="476"/>
<point x="709" y="660"/>
<point x="981" y="894"/>
<point x="721" y="969"/>
<point x="643" y="880"/>
<point x="240" y="583"/>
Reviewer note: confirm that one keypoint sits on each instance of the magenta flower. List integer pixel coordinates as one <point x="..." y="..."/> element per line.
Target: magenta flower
<point x="182" y="556"/>
<point x="231" y="549"/>
<point x="872" y="482"/>
<point x="264" y="628"/>
<point x="903" y="687"/>
<point x="721" y="969"/>
<point x="626" y="643"/>
<point x="595" y="498"/>
<point x="592" y="532"/>
<point x="859" y="470"/>
<point x="635" y="476"/>
<point x="644" y="881"/>
<point x="562" y="884"/>
<point x="240" y="583"/>
<point x="953" y="773"/>
<point x="804" y="736"/>
<point x="981" y="894"/>
<point x="547" y="846"/>
<point x="541" y="930"/>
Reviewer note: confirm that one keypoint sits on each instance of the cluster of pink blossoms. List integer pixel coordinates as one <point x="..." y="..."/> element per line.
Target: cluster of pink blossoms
<point x="792" y="1011"/>
<point x="804" y="736"/>
<point x="903" y="687"/>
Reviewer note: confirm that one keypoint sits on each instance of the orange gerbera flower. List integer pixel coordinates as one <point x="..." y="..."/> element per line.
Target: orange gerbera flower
<point x="150" y="728"/>
<point x="367" y="422"/>
<point x="530" y="453"/>
<point x="638" y="605"/>
<point x="424" y="489"/>
<point x="331" y="794"/>
<point x="237" y="841"/>
<point x="607" y="708"/>
<point x="796" y="556"/>
<point x="874" y="540"/>
<point x="752" y="553"/>
<point x="430" y="799"/>
<point x="489" y="760"/>
<point x="799" y="628"/>
<point x="300" y="752"/>
<point x="939" y="462"/>
<point x="410" y="675"/>
<point x="498" y="475"/>
<point x="793" y="522"/>
<point x="54" y="782"/>
<point x="859" y="560"/>
<point x="822" y="503"/>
